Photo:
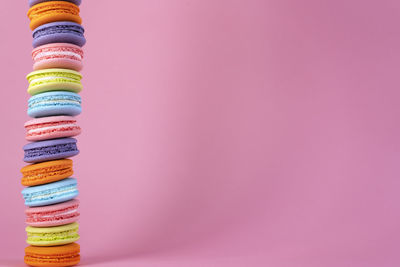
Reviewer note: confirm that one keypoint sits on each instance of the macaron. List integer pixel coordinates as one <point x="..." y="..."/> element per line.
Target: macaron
<point x="52" y="193"/>
<point x="52" y="11"/>
<point x="57" y="256"/>
<point x="58" y="55"/>
<point x="50" y="150"/>
<point x="35" y="2"/>
<point x="51" y="127"/>
<point x="53" y="215"/>
<point x="41" y="81"/>
<point x="59" y="32"/>
<point x="46" y="172"/>
<point x="54" y="103"/>
<point x="52" y="236"/>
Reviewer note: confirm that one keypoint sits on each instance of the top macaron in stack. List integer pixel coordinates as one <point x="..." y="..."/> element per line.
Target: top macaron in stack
<point x="54" y="85"/>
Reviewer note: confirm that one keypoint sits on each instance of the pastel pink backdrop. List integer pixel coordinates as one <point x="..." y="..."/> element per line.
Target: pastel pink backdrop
<point x="224" y="133"/>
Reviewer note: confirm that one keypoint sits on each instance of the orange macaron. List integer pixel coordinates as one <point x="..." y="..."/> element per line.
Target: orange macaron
<point x="53" y="11"/>
<point x="46" y="172"/>
<point x="67" y="255"/>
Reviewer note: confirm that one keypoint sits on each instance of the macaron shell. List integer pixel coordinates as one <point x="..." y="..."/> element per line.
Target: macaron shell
<point x="54" y="242"/>
<point x="53" y="11"/>
<point x="57" y="242"/>
<point x="58" y="63"/>
<point x="52" y="201"/>
<point x="66" y="255"/>
<point x="49" y="120"/>
<point x="55" y="134"/>
<point x="71" y="38"/>
<point x="49" y="143"/>
<point x="55" y="86"/>
<point x="53" y="208"/>
<point x="54" y="111"/>
<point x="53" y="230"/>
<point x="49" y="262"/>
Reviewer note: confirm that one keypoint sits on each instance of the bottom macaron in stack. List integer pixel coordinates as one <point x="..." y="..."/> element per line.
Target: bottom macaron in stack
<point x="67" y="255"/>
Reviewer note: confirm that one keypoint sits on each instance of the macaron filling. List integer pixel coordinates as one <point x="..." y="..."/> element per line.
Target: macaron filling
<point x="51" y="129"/>
<point x="56" y="53"/>
<point x="52" y="77"/>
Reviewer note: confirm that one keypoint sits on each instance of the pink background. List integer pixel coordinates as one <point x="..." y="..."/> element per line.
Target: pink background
<point x="224" y="133"/>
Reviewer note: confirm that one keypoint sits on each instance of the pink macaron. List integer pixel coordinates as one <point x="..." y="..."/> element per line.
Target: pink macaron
<point x="51" y="128"/>
<point x="53" y="215"/>
<point x="57" y="55"/>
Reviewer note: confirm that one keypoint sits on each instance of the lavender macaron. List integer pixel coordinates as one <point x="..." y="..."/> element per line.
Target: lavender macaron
<point x="35" y="2"/>
<point x="59" y="32"/>
<point x="50" y="150"/>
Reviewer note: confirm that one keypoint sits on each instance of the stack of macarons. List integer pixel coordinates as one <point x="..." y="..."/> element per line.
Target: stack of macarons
<point x="54" y="84"/>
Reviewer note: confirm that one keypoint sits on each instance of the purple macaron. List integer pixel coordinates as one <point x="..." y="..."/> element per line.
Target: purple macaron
<point x="59" y="32"/>
<point x="35" y="2"/>
<point x="50" y="150"/>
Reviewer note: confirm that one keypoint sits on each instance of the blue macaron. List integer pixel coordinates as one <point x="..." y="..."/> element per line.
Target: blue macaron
<point x="54" y="103"/>
<point x="50" y="150"/>
<point x="52" y="193"/>
<point x="59" y="32"/>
